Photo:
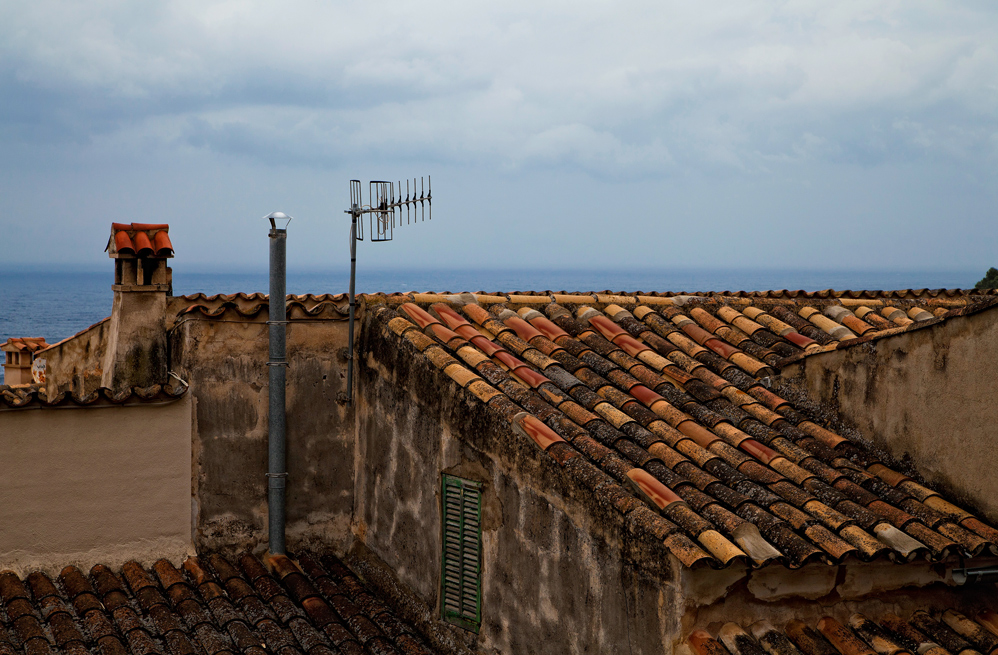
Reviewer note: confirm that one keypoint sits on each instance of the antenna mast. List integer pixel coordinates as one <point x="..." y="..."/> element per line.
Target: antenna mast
<point x="385" y="206"/>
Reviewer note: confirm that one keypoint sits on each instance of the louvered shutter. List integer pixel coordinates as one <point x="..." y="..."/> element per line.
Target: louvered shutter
<point x="461" y="565"/>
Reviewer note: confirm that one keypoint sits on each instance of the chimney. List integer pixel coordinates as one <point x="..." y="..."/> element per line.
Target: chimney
<point x="136" y="348"/>
<point x="19" y="353"/>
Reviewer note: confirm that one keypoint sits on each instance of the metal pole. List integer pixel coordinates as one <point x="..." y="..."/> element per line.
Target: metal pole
<point x="277" y="474"/>
<point x="354" y="210"/>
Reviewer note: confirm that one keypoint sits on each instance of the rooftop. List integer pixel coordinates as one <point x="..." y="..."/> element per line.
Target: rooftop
<point x="661" y="406"/>
<point x="211" y="605"/>
<point x="24" y="344"/>
<point x="948" y="632"/>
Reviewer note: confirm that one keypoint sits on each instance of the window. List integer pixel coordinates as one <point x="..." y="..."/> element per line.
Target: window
<point x="461" y="564"/>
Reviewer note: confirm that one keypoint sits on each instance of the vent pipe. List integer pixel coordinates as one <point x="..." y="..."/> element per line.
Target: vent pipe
<point x="277" y="474"/>
<point x="982" y="575"/>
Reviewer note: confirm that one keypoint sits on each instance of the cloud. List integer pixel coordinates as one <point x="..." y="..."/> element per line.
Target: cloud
<point x="803" y="133"/>
<point x="609" y="88"/>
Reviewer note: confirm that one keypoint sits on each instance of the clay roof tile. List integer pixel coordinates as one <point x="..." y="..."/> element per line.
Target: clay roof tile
<point x="123" y="243"/>
<point x="143" y="245"/>
<point x="617" y="389"/>
<point x="162" y="244"/>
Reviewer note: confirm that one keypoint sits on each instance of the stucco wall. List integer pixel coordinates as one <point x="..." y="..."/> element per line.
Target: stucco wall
<point x="136" y="352"/>
<point x="926" y="396"/>
<point x="225" y="363"/>
<point x="89" y="485"/>
<point x="560" y="573"/>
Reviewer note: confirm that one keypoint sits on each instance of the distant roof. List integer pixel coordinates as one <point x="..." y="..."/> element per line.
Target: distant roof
<point x="662" y="407"/>
<point x="140" y="240"/>
<point x="24" y="344"/>
<point x="210" y="606"/>
<point x="947" y="633"/>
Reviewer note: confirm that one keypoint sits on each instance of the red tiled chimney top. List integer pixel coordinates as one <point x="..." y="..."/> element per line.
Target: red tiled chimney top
<point x="140" y="240"/>
<point x="29" y="344"/>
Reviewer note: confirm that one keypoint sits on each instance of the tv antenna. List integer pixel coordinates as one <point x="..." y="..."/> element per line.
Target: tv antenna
<point x="386" y="206"/>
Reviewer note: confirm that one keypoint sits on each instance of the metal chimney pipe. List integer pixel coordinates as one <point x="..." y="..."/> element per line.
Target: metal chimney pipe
<point x="982" y="575"/>
<point x="354" y="213"/>
<point x="277" y="474"/>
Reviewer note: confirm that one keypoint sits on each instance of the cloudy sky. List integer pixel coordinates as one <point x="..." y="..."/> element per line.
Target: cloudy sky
<point x="836" y="135"/>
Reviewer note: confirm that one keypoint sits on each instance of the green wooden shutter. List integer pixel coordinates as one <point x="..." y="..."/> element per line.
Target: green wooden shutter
<point x="461" y="564"/>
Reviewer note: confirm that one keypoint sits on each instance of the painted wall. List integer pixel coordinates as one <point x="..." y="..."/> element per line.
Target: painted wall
<point x="89" y="485"/>
<point x="560" y="573"/>
<point x="225" y="362"/>
<point x="926" y="396"/>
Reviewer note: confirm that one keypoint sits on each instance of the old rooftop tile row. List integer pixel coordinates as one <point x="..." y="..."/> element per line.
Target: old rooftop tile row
<point x="12" y="398"/>
<point x="934" y="298"/>
<point x="950" y="633"/>
<point x="327" y="309"/>
<point x="750" y="333"/>
<point x="864" y="294"/>
<point x="665" y="415"/>
<point x="210" y="607"/>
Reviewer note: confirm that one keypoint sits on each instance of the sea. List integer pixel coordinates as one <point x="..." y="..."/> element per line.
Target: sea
<point x="58" y="304"/>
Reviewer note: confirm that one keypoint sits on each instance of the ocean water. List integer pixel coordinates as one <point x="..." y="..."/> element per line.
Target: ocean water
<point x="56" y="305"/>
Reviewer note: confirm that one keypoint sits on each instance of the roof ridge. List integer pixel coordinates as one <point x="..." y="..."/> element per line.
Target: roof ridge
<point x="35" y="397"/>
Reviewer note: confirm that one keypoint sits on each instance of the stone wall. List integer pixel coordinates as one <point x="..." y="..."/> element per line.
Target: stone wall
<point x="561" y="574"/>
<point x="76" y="364"/>
<point x="925" y="396"/>
<point x="101" y="484"/>
<point x="224" y="360"/>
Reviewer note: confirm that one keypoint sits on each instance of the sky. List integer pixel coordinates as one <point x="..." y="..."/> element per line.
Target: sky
<point x="831" y="135"/>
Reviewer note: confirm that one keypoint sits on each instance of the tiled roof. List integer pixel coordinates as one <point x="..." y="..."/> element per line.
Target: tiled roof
<point x="796" y="323"/>
<point x="251" y="305"/>
<point x="898" y="294"/>
<point x="210" y="606"/>
<point x="793" y="327"/>
<point x="256" y="298"/>
<point x="664" y="412"/>
<point x="24" y="344"/>
<point x="140" y="239"/>
<point x="34" y="397"/>
<point x="949" y="633"/>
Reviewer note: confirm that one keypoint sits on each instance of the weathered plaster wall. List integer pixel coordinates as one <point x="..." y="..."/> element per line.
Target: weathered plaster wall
<point x="560" y="573"/>
<point x="136" y="354"/>
<point x="926" y="396"/>
<point x="89" y="485"/>
<point x="225" y="363"/>
<point x="76" y="363"/>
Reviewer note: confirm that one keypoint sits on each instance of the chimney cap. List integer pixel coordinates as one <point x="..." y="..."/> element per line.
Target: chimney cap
<point x="131" y="240"/>
<point x="278" y="216"/>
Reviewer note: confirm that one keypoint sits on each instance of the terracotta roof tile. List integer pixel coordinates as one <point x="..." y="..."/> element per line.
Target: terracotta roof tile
<point x="24" y="344"/>
<point x="186" y="612"/>
<point x="36" y="397"/>
<point x="140" y="240"/>
<point x="636" y="396"/>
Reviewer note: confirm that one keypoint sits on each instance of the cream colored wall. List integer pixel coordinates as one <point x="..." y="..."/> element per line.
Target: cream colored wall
<point x="89" y="485"/>
<point x="926" y="397"/>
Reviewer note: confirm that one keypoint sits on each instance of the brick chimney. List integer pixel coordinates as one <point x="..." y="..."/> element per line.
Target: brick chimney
<point x="136" y="349"/>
